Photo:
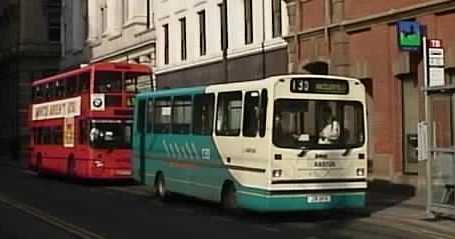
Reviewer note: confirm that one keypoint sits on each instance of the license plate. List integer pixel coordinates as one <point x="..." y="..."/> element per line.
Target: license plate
<point x="123" y="172"/>
<point x="318" y="198"/>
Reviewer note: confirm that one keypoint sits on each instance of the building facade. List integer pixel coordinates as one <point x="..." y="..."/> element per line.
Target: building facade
<point x="359" y="39"/>
<point x="75" y="50"/>
<point x="122" y="31"/>
<point x="29" y="49"/>
<point x="206" y="42"/>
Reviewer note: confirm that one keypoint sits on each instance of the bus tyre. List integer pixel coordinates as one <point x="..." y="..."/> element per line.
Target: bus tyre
<point x="160" y="188"/>
<point x="228" y="197"/>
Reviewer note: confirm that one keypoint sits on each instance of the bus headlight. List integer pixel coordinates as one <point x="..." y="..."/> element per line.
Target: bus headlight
<point x="277" y="173"/>
<point x="360" y="172"/>
<point x="98" y="163"/>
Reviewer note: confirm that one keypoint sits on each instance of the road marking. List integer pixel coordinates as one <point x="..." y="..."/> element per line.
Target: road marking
<point x="49" y="219"/>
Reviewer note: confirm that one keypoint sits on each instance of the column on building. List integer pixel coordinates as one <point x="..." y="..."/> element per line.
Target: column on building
<point x="93" y="21"/>
<point x="114" y="13"/>
<point x="138" y="11"/>
<point x="77" y="25"/>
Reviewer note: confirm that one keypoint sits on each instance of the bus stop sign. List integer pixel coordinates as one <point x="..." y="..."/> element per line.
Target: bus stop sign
<point x="409" y="35"/>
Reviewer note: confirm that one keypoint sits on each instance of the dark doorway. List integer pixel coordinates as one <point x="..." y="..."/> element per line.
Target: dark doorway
<point x="318" y="68"/>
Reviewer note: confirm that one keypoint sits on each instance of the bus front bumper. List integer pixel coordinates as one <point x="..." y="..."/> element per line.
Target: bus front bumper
<point x="266" y="202"/>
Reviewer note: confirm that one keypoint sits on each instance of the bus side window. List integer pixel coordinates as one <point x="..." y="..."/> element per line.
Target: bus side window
<point x="71" y="86"/>
<point x="181" y="115"/>
<point x="58" y="135"/>
<point x="251" y="114"/>
<point x="49" y="94"/>
<point x="46" y="135"/>
<point x="229" y="113"/>
<point x="59" y="89"/>
<point x="162" y="119"/>
<point x="149" y="115"/>
<point x="140" y="116"/>
<point x="203" y="114"/>
<point x="37" y="93"/>
<point x="83" y="134"/>
<point x="263" y="113"/>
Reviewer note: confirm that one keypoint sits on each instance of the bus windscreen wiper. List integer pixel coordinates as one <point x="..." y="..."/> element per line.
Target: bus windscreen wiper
<point x="303" y="152"/>
<point x="347" y="151"/>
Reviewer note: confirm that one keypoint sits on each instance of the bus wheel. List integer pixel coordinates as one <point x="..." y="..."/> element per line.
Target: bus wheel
<point x="228" y="197"/>
<point x="160" y="187"/>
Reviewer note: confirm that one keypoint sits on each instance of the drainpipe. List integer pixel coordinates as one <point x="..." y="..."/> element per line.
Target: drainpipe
<point x="297" y="28"/>
<point x="225" y="41"/>
<point x="326" y="20"/>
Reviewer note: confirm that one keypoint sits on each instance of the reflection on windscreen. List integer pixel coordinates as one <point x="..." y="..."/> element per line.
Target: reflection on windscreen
<point x="313" y="124"/>
<point x="110" y="135"/>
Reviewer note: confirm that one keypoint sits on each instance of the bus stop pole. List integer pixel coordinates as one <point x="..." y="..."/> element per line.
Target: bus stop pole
<point x="429" y="140"/>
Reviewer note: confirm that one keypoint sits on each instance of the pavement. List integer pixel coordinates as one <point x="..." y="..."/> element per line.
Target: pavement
<point x="398" y="205"/>
<point x="388" y="204"/>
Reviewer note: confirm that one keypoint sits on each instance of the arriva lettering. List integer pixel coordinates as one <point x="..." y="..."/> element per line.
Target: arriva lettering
<point x="324" y="164"/>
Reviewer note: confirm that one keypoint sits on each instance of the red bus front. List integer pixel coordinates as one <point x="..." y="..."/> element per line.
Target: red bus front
<point x="85" y="130"/>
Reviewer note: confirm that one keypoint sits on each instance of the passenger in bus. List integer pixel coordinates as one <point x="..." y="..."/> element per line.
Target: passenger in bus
<point x="330" y="131"/>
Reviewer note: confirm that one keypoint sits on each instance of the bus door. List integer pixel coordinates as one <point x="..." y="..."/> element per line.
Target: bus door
<point x="141" y="119"/>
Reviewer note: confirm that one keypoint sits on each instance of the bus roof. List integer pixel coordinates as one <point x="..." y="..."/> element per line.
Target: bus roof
<point x="262" y="82"/>
<point x="172" y="92"/>
<point x="104" y="66"/>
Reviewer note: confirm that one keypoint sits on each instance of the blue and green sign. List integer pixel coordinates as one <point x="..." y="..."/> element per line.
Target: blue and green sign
<point x="409" y="35"/>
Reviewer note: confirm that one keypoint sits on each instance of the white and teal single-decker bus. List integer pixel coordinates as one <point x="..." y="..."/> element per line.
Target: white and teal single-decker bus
<point x="285" y="143"/>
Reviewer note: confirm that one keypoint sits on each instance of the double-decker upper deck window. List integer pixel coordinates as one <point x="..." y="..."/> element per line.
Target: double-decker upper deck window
<point x="84" y="82"/>
<point x="71" y="86"/>
<point x="181" y="115"/>
<point x="162" y="119"/>
<point x="108" y="82"/>
<point x="59" y="89"/>
<point x="203" y="114"/>
<point x="229" y="113"/>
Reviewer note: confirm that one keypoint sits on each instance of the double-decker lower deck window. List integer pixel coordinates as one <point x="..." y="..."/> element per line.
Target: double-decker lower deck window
<point x="110" y="134"/>
<point x="48" y="135"/>
<point x="229" y="113"/>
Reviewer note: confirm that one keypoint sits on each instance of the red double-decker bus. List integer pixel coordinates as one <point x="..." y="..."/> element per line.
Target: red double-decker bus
<point x="81" y="121"/>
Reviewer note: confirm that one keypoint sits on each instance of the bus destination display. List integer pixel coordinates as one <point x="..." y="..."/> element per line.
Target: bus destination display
<point x="319" y="86"/>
